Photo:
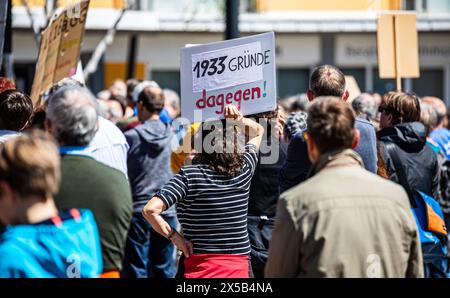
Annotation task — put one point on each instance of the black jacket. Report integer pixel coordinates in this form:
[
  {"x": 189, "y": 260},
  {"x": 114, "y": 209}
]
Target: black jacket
[
  {"x": 264, "y": 188},
  {"x": 419, "y": 160}
]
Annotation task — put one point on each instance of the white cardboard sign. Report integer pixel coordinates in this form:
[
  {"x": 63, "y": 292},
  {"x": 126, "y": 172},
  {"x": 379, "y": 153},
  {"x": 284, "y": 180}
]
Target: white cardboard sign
[{"x": 239, "y": 71}]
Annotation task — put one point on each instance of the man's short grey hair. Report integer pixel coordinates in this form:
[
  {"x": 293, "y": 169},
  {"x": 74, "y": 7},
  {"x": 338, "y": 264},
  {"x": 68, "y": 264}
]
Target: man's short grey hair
[
  {"x": 172, "y": 99},
  {"x": 428, "y": 116},
  {"x": 73, "y": 115},
  {"x": 365, "y": 106},
  {"x": 294, "y": 103}
]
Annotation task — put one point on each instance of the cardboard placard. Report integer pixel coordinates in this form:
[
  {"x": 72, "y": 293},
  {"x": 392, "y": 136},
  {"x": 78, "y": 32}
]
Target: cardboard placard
[
  {"x": 386, "y": 46},
  {"x": 60, "y": 48},
  {"x": 352, "y": 88},
  {"x": 398, "y": 46},
  {"x": 239, "y": 71},
  {"x": 407, "y": 45}
]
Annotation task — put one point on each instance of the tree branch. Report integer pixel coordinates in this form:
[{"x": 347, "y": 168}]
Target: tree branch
[
  {"x": 92, "y": 65},
  {"x": 34, "y": 25},
  {"x": 50, "y": 8}
]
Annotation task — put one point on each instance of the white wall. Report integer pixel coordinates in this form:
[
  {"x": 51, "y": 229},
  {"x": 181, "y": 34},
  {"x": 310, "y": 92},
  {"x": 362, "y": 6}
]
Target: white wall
[{"x": 361, "y": 49}]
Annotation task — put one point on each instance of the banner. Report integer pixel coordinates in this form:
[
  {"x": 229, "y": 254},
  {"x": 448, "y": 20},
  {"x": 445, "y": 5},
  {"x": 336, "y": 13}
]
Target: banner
[
  {"x": 3, "y": 11},
  {"x": 60, "y": 48},
  {"x": 398, "y": 46},
  {"x": 239, "y": 71}
]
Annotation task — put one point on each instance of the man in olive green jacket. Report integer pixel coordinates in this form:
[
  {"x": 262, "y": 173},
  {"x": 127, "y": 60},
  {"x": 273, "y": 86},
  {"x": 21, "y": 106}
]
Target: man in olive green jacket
[{"x": 344, "y": 221}]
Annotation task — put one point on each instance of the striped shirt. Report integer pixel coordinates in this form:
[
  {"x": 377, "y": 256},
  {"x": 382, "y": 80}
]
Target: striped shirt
[{"x": 212, "y": 208}]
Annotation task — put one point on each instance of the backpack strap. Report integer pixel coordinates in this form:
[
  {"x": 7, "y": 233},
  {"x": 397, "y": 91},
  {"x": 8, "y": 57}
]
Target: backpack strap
[{"x": 401, "y": 174}]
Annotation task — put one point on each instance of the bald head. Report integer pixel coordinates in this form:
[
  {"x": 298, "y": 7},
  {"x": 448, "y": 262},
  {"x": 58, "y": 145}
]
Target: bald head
[
  {"x": 440, "y": 107},
  {"x": 118, "y": 88}
]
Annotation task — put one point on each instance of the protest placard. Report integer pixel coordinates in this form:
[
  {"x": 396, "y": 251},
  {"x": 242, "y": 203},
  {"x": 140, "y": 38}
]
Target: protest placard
[
  {"x": 239, "y": 71},
  {"x": 352, "y": 88},
  {"x": 398, "y": 47},
  {"x": 60, "y": 48},
  {"x": 3, "y": 10}
]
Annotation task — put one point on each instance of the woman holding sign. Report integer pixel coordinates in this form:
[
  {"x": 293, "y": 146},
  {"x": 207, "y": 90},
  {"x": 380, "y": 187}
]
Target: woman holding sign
[{"x": 212, "y": 200}]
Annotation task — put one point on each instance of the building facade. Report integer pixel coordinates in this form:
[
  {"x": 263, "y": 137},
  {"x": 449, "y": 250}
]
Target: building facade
[{"x": 308, "y": 33}]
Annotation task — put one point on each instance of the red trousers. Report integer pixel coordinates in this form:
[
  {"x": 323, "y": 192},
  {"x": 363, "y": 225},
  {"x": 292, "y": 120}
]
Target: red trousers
[{"x": 216, "y": 266}]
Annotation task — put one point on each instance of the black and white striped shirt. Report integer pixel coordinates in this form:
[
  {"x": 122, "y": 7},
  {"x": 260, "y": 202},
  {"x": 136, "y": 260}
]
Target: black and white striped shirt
[{"x": 212, "y": 208}]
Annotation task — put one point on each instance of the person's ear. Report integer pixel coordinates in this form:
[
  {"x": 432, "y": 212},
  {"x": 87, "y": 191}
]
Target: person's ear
[
  {"x": 310, "y": 95},
  {"x": 140, "y": 106},
  {"x": 346, "y": 95},
  {"x": 356, "y": 139},
  {"x": 390, "y": 119},
  {"x": 48, "y": 126},
  {"x": 313, "y": 152},
  {"x": 5, "y": 190},
  {"x": 7, "y": 206},
  {"x": 97, "y": 126}
]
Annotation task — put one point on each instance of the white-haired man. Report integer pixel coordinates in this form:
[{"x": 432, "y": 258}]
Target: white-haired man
[{"x": 86, "y": 183}]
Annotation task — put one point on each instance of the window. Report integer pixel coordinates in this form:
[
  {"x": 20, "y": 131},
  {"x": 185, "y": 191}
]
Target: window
[
  {"x": 183, "y": 6},
  {"x": 429, "y": 6},
  {"x": 382, "y": 86},
  {"x": 409, "y": 5},
  {"x": 24, "y": 75},
  {"x": 96, "y": 79},
  {"x": 436, "y": 6},
  {"x": 248, "y": 6},
  {"x": 292, "y": 81},
  {"x": 359, "y": 74},
  {"x": 169, "y": 79},
  {"x": 194, "y": 6},
  {"x": 430, "y": 83}
]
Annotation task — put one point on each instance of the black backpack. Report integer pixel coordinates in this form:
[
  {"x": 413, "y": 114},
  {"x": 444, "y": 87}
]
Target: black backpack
[{"x": 429, "y": 217}]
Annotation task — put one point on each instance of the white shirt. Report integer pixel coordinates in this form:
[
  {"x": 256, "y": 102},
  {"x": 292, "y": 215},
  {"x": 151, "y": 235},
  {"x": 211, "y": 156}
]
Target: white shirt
[{"x": 109, "y": 146}]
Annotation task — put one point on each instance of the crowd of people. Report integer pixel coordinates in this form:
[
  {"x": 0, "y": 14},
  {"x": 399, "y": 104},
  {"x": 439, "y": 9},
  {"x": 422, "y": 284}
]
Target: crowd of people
[{"x": 113, "y": 185}]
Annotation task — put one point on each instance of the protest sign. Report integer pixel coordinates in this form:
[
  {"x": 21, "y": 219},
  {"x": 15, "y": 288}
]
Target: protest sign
[
  {"x": 3, "y": 10},
  {"x": 239, "y": 71},
  {"x": 398, "y": 47},
  {"x": 352, "y": 88},
  {"x": 60, "y": 48}
]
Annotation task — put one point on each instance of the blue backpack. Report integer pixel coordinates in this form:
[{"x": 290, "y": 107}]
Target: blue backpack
[{"x": 430, "y": 224}]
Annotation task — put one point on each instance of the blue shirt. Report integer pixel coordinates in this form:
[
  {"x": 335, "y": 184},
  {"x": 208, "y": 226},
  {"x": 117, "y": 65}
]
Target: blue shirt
[
  {"x": 164, "y": 116},
  {"x": 74, "y": 150},
  {"x": 69, "y": 249},
  {"x": 441, "y": 136}
]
